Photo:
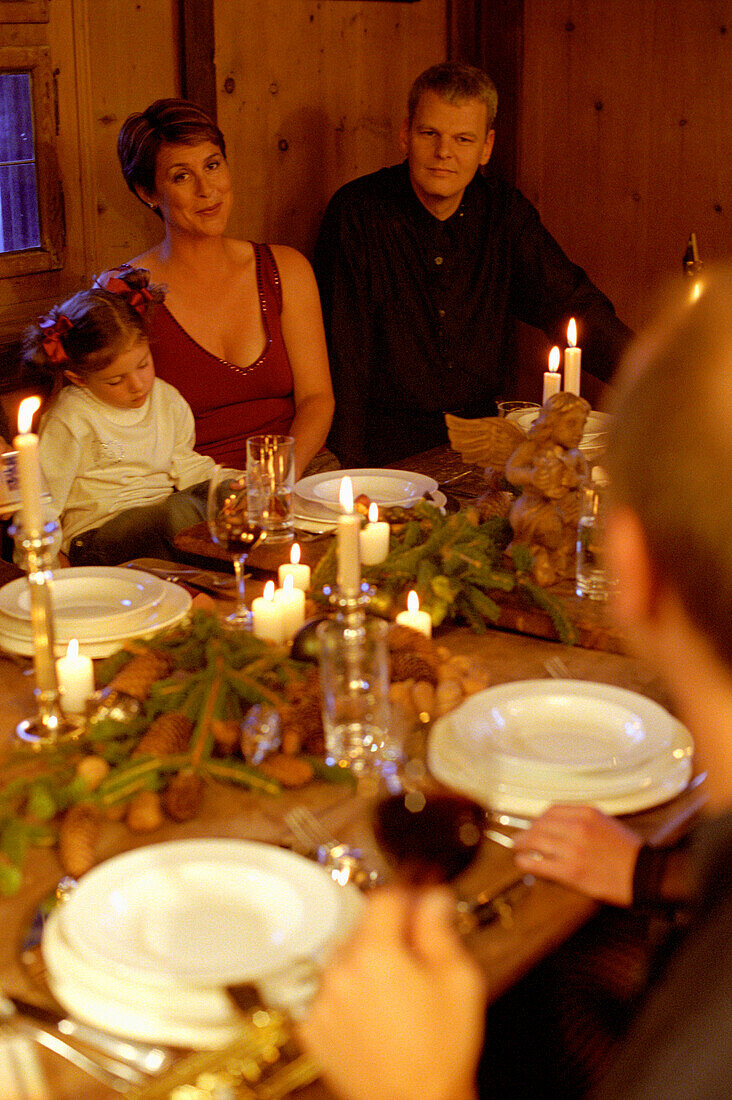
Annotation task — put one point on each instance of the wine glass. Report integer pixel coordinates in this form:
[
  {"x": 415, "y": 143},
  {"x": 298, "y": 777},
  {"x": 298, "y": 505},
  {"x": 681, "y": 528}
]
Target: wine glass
[
  {"x": 428, "y": 836},
  {"x": 230, "y": 527}
]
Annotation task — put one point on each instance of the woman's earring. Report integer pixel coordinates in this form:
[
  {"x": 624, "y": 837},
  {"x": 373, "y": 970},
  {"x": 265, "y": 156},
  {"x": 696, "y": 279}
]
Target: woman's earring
[{"x": 152, "y": 206}]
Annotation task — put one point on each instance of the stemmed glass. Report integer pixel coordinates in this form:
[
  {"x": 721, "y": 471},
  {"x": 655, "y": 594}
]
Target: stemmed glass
[
  {"x": 428, "y": 836},
  {"x": 230, "y": 527}
]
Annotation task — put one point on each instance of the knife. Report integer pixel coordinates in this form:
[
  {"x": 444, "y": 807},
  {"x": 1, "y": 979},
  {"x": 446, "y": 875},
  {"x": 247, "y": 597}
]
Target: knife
[
  {"x": 141, "y": 1056},
  {"x": 482, "y": 910}
]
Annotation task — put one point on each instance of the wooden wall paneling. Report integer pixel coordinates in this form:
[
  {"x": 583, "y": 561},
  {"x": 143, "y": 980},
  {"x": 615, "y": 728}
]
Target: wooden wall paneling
[
  {"x": 489, "y": 34},
  {"x": 310, "y": 95},
  {"x": 625, "y": 132},
  {"x": 198, "y": 53},
  {"x": 135, "y": 59}
]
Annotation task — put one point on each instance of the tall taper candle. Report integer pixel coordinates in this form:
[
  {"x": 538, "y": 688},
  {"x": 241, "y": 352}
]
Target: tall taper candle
[
  {"x": 29, "y": 471},
  {"x": 572, "y": 360},
  {"x": 348, "y": 549},
  {"x": 552, "y": 377}
]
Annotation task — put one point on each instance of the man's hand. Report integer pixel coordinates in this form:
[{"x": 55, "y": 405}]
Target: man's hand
[
  {"x": 583, "y": 848},
  {"x": 399, "y": 1015}
]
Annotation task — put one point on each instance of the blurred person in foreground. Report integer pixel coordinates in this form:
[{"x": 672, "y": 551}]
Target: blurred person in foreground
[
  {"x": 400, "y": 1011},
  {"x": 423, "y": 267}
]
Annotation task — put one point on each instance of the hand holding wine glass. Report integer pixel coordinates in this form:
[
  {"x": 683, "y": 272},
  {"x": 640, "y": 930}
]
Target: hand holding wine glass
[{"x": 230, "y": 527}]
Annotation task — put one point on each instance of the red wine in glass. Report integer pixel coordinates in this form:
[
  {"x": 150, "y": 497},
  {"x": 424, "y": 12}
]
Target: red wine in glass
[{"x": 428, "y": 837}]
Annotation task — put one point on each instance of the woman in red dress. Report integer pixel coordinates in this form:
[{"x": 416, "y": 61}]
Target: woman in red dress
[{"x": 241, "y": 332}]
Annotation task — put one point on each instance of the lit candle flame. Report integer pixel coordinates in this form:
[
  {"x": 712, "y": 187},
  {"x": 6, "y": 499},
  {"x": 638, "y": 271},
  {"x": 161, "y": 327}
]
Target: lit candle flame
[
  {"x": 572, "y": 333},
  {"x": 345, "y": 495},
  {"x": 72, "y": 649},
  {"x": 554, "y": 356},
  {"x": 288, "y": 584},
  {"x": 26, "y": 411},
  {"x": 269, "y": 591},
  {"x": 295, "y": 554},
  {"x": 373, "y": 512},
  {"x": 412, "y": 601}
]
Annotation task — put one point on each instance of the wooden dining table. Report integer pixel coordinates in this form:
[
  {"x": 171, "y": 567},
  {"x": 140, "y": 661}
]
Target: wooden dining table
[{"x": 544, "y": 918}]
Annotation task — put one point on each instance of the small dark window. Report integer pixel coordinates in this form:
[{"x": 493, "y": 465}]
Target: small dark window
[{"x": 19, "y": 214}]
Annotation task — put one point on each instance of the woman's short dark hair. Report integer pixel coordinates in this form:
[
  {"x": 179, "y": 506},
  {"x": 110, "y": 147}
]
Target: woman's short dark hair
[{"x": 164, "y": 122}]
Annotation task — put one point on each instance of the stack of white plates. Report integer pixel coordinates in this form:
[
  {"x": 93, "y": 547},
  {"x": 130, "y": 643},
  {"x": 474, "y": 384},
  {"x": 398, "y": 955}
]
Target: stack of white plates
[
  {"x": 594, "y": 436},
  {"x": 519, "y": 747},
  {"x": 149, "y": 940},
  {"x": 317, "y": 497},
  {"x": 101, "y": 606}
]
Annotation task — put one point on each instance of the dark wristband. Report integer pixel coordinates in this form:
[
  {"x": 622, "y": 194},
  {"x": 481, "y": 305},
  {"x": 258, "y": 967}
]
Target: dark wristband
[{"x": 648, "y": 875}]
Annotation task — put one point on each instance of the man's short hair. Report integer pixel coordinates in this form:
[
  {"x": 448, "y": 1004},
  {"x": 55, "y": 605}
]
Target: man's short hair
[
  {"x": 455, "y": 81},
  {"x": 670, "y": 453}
]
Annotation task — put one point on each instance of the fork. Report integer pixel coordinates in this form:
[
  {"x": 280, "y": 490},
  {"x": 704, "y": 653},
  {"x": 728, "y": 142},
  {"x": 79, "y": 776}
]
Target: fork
[{"x": 345, "y": 864}]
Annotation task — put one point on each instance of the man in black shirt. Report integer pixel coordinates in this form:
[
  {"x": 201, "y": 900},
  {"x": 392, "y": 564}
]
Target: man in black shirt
[{"x": 422, "y": 267}]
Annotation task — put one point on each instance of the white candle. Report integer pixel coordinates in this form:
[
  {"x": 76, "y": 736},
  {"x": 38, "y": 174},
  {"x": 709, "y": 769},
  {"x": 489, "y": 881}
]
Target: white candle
[
  {"x": 292, "y": 604},
  {"x": 75, "y": 674},
  {"x": 300, "y": 573},
  {"x": 414, "y": 618},
  {"x": 572, "y": 360},
  {"x": 268, "y": 620},
  {"x": 29, "y": 471},
  {"x": 348, "y": 550},
  {"x": 552, "y": 377},
  {"x": 374, "y": 539}
]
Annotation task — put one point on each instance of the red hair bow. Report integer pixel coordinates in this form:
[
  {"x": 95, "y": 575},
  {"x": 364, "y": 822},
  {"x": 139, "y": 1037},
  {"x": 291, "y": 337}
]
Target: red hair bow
[
  {"x": 54, "y": 328},
  {"x": 138, "y": 299}
]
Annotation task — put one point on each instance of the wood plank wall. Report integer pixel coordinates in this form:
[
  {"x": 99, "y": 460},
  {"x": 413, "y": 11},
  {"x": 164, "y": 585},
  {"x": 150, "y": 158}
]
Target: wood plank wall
[
  {"x": 310, "y": 95},
  {"x": 624, "y": 136}
]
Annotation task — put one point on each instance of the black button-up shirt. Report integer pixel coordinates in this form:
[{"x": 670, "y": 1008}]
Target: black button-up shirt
[{"x": 418, "y": 311}]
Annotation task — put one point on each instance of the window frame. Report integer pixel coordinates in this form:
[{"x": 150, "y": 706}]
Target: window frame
[{"x": 49, "y": 256}]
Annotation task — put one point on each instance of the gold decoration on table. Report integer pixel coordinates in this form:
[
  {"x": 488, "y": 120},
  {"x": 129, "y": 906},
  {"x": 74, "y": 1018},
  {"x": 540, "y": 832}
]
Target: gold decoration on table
[{"x": 544, "y": 470}]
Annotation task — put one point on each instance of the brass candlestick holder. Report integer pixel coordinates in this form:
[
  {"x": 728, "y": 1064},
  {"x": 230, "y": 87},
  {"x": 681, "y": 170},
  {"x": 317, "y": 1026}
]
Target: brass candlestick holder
[{"x": 50, "y": 725}]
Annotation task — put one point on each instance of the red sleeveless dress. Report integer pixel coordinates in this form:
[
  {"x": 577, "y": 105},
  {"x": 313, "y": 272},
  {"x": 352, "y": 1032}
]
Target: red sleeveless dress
[{"x": 230, "y": 402}]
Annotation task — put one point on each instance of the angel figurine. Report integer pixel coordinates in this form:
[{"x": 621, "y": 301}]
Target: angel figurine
[{"x": 550, "y": 470}]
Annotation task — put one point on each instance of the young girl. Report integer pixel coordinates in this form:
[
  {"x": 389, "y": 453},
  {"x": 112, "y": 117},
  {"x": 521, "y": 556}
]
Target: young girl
[{"x": 116, "y": 443}]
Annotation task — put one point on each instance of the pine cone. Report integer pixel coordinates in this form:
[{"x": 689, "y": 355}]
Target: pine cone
[
  {"x": 138, "y": 675},
  {"x": 403, "y": 637},
  {"x": 144, "y": 812},
  {"x": 183, "y": 796},
  {"x": 77, "y": 838},
  {"x": 412, "y": 666},
  {"x": 167, "y": 734}
]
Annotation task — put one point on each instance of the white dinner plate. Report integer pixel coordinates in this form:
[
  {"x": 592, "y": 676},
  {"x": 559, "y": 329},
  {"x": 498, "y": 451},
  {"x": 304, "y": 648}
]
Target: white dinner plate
[
  {"x": 181, "y": 1014},
  {"x": 83, "y": 597},
  {"x": 386, "y": 487},
  {"x": 16, "y": 637},
  {"x": 620, "y": 792},
  {"x": 562, "y": 726},
  {"x": 209, "y": 912}
]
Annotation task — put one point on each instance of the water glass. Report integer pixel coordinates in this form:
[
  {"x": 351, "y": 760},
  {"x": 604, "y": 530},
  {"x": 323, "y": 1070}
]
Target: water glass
[
  {"x": 515, "y": 408},
  {"x": 270, "y": 483},
  {"x": 591, "y": 576},
  {"x": 354, "y": 684}
]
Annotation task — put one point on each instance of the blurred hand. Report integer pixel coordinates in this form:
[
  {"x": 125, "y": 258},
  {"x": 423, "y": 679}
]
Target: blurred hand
[
  {"x": 399, "y": 1015},
  {"x": 581, "y": 847}
]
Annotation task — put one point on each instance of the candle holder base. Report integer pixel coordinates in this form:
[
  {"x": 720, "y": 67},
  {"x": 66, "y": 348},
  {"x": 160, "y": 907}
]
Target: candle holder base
[
  {"x": 348, "y": 606},
  {"x": 45, "y": 734}
]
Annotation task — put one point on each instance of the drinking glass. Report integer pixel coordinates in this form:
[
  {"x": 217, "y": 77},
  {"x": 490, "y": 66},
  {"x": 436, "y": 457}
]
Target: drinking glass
[
  {"x": 270, "y": 483},
  {"x": 515, "y": 408},
  {"x": 354, "y": 684},
  {"x": 591, "y": 577},
  {"x": 232, "y": 528}
]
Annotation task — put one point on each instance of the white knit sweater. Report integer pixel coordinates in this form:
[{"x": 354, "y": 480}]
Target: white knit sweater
[{"x": 99, "y": 461}]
